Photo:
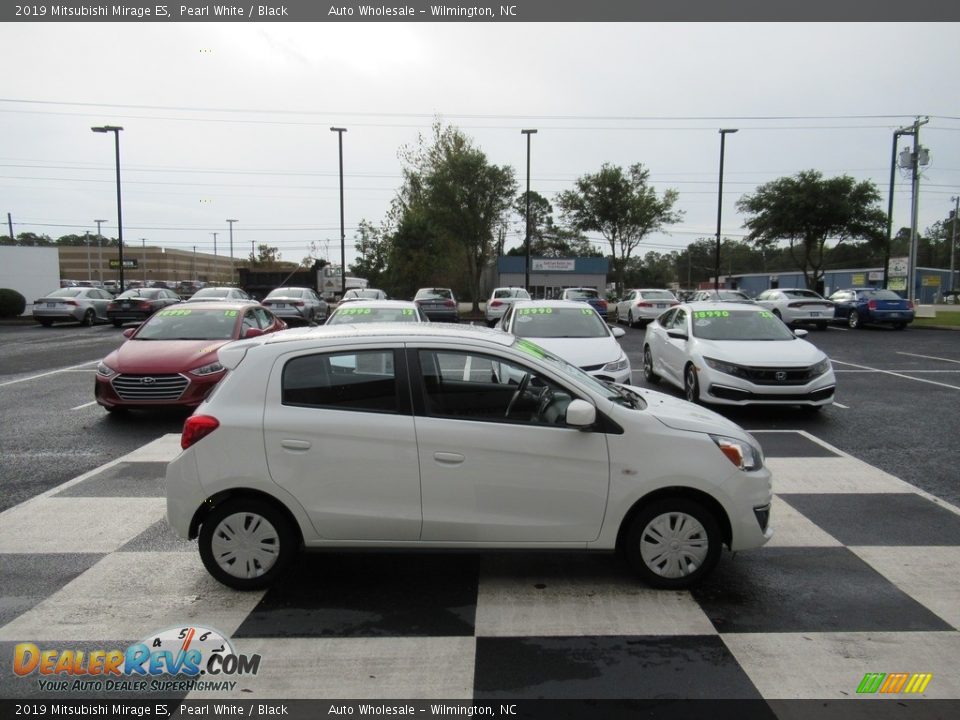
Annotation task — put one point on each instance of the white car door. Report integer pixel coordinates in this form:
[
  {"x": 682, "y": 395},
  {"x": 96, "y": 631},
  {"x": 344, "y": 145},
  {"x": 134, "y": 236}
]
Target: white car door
[
  {"x": 342, "y": 441},
  {"x": 673, "y": 351},
  {"x": 489, "y": 477}
]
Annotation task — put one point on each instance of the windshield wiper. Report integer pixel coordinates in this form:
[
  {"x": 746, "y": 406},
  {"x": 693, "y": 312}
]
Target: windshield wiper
[{"x": 627, "y": 397}]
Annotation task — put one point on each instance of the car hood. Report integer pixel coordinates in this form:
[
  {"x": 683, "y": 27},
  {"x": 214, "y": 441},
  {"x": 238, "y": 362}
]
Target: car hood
[
  {"x": 582, "y": 352},
  {"x": 163, "y": 356},
  {"x": 762, "y": 353},
  {"x": 682, "y": 415}
]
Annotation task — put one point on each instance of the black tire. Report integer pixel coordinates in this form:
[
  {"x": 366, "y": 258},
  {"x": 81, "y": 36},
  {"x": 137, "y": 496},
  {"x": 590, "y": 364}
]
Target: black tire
[
  {"x": 691, "y": 386},
  {"x": 630, "y": 322},
  {"x": 900, "y": 326},
  {"x": 666, "y": 522},
  {"x": 115, "y": 409},
  {"x": 248, "y": 515},
  {"x": 117, "y": 323},
  {"x": 648, "y": 374},
  {"x": 853, "y": 320},
  {"x": 822, "y": 325},
  {"x": 46, "y": 323},
  {"x": 89, "y": 318}
]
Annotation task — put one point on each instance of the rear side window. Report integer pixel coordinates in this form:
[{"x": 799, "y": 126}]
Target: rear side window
[{"x": 363, "y": 381}]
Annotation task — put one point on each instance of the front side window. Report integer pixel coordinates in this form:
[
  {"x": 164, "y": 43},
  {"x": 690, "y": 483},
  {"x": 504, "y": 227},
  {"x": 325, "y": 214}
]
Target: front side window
[
  {"x": 472, "y": 386},
  {"x": 362, "y": 380}
]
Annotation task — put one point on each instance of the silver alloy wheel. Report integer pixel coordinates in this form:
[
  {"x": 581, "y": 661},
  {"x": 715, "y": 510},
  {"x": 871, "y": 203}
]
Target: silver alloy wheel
[
  {"x": 674, "y": 545},
  {"x": 245, "y": 545},
  {"x": 647, "y": 364},
  {"x": 630, "y": 318},
  {"x": 853, "y": 320},
  {"x": 691, "y": 389}
]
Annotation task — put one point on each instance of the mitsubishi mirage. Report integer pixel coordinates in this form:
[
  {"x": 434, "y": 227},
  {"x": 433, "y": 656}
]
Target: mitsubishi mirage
[{"x": 419, "y": 437}]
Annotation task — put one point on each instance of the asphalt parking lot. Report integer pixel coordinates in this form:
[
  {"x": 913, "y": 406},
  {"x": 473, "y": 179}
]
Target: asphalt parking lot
[{"x": 859, "y": 578}]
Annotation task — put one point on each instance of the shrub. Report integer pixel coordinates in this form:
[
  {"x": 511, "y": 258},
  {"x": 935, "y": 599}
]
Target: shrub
[{"x": 12, "y": 303}]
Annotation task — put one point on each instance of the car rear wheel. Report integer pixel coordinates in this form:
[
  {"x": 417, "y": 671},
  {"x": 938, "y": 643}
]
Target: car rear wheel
[
  {"x": 117, "y": 323},
  {"x": 246, "y": 543},
  {"x": 46, "y": 323},
  {"x": 691, "y": 386},
  {"x": 853, "y": 320},
  {"x": 648, "y": 374},
  {"x": 899, "y": 326},
  {"x": 673, "y": 543},
  {"x": 630, "y": 321},
  {"x": 821, "y": 325},
  {"x": 89, "y": 317}
]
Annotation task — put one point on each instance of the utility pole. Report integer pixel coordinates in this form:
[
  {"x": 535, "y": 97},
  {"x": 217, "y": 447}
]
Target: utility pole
[
  {"x": 526, "y": 242},
  {"x": 886, "y": 251},
  {"x": 99, "y": 251},
  {"x": 233, "y": 265},
  {"x": 953, "y": 239},
  {"x": 914, "y": 209},
  {"x": 86, "y": 241},
  {"x": 343, "y": 257},
  {"x": 10, "y": 225},
  {"x": 216, "y": 269},
  {"x": 194, "y": 263},
  {"x": 144, "y": 241},
  {"x": 716, "y": 279}
]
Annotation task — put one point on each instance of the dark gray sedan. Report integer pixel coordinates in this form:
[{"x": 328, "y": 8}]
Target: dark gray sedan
[
  {"x": 438, "y": 304},
  {"x": 86, "y": 305},
  {"x": 296, "y": 305}
]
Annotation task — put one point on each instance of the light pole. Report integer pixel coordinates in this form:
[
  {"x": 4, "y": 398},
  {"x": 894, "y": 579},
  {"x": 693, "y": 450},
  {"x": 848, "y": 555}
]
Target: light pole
[
  {"x": 526, "y": 274},
  {"x": 893, "y": 168},
  {"x": 716, "y": 266},
  {"x": 86, "y": 241},
  {"x": 115, "y": 129},
  {"x": 144, "y": 241},
  {"x": 99, "y": 251},
  {"x": 233, "y": 266},
  {"x": 343, "y": 256},
  {"x": 216, "y": 259}
]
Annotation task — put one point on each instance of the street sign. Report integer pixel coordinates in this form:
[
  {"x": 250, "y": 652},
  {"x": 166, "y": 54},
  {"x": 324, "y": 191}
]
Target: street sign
[{"x": 898, "y": 267}]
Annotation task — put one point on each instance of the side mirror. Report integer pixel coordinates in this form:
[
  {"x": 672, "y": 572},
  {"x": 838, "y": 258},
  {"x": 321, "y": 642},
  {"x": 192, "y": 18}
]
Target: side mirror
[
  {"x": 252, "y": 332},
  {"x": 618, "y": 332},
  {"x": 581, "y": 414},
  {"x": 128, "y": 333},
  {"x": 677, "y": 334},
  {"x": 800, "y": 333}
]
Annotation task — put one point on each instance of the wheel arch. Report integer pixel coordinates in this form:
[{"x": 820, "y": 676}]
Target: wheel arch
[
  {"x": 233, "y": 493},
  {"x": 687, "y": 493}
]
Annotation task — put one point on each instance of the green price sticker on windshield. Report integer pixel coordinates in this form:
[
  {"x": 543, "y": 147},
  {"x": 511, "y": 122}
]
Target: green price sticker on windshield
[
  {"x": 766, "y": 315},
  {"x": 406, "y": 311},
  {"x": 355, "y": 311},
  {"x": 174, "y": 313},
  {"x": 228, "y": 313},
  {"x": 536, "y": 311},
  {"x": 704, "y": 314},
  {"x": 586, "y": 311}
]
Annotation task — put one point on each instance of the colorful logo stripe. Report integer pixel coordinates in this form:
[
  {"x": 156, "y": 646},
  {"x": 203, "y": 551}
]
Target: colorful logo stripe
[{"x": 894, "y": 683}]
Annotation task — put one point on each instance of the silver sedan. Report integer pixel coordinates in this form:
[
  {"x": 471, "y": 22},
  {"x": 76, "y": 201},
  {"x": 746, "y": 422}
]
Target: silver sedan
[{"x": 85, "y": 305}]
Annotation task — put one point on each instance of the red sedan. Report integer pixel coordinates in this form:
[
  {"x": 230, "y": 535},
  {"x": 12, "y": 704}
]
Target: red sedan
[{"x": 171, "y": 359}]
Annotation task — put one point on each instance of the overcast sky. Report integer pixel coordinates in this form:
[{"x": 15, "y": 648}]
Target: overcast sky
[{"x": 232, "y": 120}]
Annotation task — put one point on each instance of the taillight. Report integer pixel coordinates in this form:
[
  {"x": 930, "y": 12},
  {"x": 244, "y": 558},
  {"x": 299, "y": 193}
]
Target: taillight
[
  {"x": 196, "y": 428},
  {"x": 297, "y": 303},
  {"x": 644, "y": 304},
  {"x": 795, "y": 304},
  {"x": 603, "y": 304},
  {"x": 449, "y": 303},
  {"x": 145, "y": 305},
  {"x": 496, "y": 303},
  {"x": 70, "y": 302},
  {"x": 909, "y": 305},
  {"x": 872, "y": 305}
]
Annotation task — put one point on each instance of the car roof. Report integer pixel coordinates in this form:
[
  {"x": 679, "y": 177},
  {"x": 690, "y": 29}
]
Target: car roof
[
  {"x": 549, "y": 303},
  {"x": 218, "y": 304},
  {"x": 720, "y": 305},
  {"x": 385, "y": 304},
  {"x": 389, "y": 332}
]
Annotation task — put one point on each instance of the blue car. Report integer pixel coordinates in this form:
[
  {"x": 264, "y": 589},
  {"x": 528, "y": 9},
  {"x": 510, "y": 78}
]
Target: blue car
[
  {"x": 856, "y": 307},
  {"x": 587, "y": 295}
]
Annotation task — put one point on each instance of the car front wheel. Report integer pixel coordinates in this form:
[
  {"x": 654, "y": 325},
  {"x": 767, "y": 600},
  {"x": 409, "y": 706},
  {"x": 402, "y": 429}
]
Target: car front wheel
[
  {"x": 648, "y": 374},
  {"x": 89, "y": 317},
  {"x": 853, "y": 320},
  {"x": 247, "y": 543},
  {"x": 673, "y": 543},
  {"x": 691, "y": 386}
]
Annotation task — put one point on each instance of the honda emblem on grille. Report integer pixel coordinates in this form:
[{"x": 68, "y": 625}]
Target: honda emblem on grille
[
  {"x": 149, "y": 380},
  {"x": 780, "y": 375}
]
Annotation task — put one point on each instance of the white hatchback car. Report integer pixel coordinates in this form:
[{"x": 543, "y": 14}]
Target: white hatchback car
[
  {"x": 736, "y": 354},
  {"x": 574, "y": 331},
  {"x": 500, "y": 301},
  {"x": 419, "y": 436}
]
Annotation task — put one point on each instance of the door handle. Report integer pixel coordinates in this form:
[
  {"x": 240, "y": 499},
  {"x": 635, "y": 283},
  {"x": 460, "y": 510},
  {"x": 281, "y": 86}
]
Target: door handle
[
  {"x": 297, "y": 445},
  {"x": 445, "y": 458}
]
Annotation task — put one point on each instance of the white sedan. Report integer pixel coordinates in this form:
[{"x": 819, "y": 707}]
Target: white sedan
[
  {"x": 642, "y": 306},
  {"x": 575, "y": 332},
  {"x": 798, "y": 305},
  {"x": 419, "y": 436},
  {"x": 736, "y": 354}
]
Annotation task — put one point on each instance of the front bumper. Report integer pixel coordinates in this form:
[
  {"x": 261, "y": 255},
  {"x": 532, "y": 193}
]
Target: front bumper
[{"x": 723, "y": 389}]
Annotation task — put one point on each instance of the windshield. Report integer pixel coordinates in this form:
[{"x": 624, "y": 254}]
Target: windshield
[
  {"x": 731, "y": 295},
  {"x": 739, "y": 325},
  {"x": 881, "y": 295},
  {"x": 511, "y": 293},
  {"x": 138, "y": 293},
  {"x": 285, "y": 292},
  {"x": 189, "y": 324},
  {"x": 802, "y": 294},
  {"x": 558, "y": 322},
  {"x": 212, "y": 292},
  {"x": 435, "y": 293},
  {"x": 66, "y": 292},
  {"x": 581, "y": 294},
  {"x": 657, "y": 295},
  {"x": 353, "y": 315}
]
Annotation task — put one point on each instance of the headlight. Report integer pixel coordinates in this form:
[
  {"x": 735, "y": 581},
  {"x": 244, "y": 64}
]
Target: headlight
[
  {"x": 741, "y": 453},
  {"x": 617, "y": 365},
  {"x": 726, "y": 368},
  {"x": 210, "y": 369},
  {"x": 820, "y": 368},
  {"x": 104, "y": 370}
]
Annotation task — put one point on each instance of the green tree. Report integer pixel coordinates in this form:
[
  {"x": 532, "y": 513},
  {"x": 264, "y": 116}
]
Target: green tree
[
  {"x": 372, "y": 253},
  {"x": 807, "y": 211},
  {"x": 267, "y": 256},
  {"x": 458, "y": 200},
  {"x": 546, "y": 238},
  {"x": 622, "y": 207}
]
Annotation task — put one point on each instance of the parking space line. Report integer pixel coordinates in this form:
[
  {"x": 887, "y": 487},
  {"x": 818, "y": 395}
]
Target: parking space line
[
  {"x": 51, "y": 372},
  {"x": 896, "y": 374},
  {"x": 836, "y": 404},
  {"x": 80, "y": 407},
  {"x": 929, "y": 357}
]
